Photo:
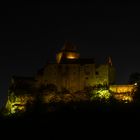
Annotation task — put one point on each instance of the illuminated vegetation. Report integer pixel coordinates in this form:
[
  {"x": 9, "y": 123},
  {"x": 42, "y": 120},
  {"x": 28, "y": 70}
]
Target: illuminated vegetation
[
  {"x": 126, "y": 98},
  {"x": 101, "y": 94},
  {"x": 17, "y": 104},
  {"x": 50, "y": 97}
]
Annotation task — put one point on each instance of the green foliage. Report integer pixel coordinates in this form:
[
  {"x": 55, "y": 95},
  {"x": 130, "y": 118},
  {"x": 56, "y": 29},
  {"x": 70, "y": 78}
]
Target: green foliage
[
  {"x": 98, "y": 93},
  {"x": 101, "y": 94}
]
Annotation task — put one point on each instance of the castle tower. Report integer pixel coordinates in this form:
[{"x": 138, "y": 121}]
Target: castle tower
[{"x": 67, "y": 52}]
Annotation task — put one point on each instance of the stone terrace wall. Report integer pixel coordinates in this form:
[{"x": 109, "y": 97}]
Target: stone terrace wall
[{"x": 122, "y": 88}]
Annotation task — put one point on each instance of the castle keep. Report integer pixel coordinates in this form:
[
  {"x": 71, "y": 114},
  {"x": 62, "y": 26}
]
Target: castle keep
[{"x": 74, "y": 73}]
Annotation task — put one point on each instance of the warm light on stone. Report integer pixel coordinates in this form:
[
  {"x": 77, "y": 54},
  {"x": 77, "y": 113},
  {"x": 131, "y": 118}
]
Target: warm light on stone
[
  {"x": 72, "y": 55},
  {"x": 122, "y": 88},
  {"x": 123, "y": 92}
]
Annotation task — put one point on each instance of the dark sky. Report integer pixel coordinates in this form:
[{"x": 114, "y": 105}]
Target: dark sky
[{"x": 31, "y": 33}]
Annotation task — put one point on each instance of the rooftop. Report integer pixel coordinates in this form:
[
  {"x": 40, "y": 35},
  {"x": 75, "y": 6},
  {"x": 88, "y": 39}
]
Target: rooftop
[{"x": 78, "y": 61}]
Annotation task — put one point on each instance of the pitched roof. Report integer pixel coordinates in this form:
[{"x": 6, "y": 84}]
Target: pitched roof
[
  {"x": 68, "y": 46},
  {"x": 78, "y": 61}
]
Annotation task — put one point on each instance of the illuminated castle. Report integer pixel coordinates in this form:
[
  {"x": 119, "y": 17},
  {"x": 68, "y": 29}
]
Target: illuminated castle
[
  {"x": 70, "y": 74},
  {"x": 74, "y": 73}
]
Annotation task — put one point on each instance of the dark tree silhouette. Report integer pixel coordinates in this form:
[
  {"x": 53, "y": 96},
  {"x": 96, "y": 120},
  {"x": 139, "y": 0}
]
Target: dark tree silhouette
[{"x": 134, "y": 78}]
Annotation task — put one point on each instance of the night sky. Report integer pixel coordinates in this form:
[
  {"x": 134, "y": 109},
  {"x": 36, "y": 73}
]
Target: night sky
[{"x": 31, "y": 33}]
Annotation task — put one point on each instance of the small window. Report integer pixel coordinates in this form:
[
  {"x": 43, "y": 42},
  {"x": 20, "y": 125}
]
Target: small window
[{"x": 97, "y": 73}]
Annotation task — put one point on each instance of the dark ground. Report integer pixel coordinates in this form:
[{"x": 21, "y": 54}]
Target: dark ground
[
  {"x": 74, "y": 124},
  {"x": 71, "y": 126}
]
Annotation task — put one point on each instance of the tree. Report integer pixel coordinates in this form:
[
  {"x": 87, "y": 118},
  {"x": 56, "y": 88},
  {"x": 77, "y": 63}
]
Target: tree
[{"x": 134, "y": 78}]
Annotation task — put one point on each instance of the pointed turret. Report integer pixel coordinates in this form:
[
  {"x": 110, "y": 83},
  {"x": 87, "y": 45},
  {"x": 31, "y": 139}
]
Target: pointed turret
[
  {"x": 67, "y": 52},
  {"x": 109, "y": 61}
]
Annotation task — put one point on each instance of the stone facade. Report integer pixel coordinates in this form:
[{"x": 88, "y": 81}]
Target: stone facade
[
  {"x": 75, "y": 77},
  {"x": 75, "y": 73}
]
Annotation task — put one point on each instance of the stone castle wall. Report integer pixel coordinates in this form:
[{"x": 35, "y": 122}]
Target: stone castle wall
[
  {"x": 122, "y": 88},
  {"x": 75, "y": 77}
]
